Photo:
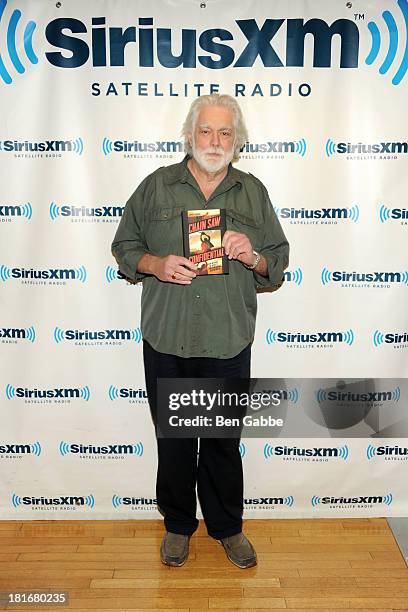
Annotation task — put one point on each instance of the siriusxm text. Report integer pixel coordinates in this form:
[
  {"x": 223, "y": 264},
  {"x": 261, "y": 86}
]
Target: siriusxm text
[
  {"x": 87, "y": 211},
  {"x": 294, "y": 451},
  {"x": 381, "y": 147},
  {"x": 371, "y": 277},
  {"x": 47, "y": 145},
  {"x": 317, "y": 337},
  {"x": 319, "y": 213},
  {"x": 68, "y": 500},
  {"x": 348, "y": 396},
  {"x": 107, "y": 334},
  {"x": 111, "y": 449},
  {"x": 149, "y": 47},
  {"x": 51, "y": 273},
  {"x": 376, "y": 499},
  {"x": 44, "y": 393}
]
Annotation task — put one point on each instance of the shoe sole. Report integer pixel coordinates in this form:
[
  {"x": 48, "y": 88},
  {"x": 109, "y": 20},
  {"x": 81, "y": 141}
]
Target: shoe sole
[{"x": 173, "y": 563}]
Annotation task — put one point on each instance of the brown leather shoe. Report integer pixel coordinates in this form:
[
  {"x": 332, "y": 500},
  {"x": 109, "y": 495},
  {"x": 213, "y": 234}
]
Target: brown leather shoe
[
  {"x": 174, "y": 549},
  {"x": 239, "y": 550}
]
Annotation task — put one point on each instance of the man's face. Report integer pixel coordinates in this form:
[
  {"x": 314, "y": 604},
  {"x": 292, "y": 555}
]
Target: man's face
[{"x": 213, "y": 138}]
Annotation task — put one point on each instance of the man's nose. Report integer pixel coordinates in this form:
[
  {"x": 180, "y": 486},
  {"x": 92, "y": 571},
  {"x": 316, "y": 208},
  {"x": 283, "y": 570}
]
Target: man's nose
[{"x": 215, "y": 138}]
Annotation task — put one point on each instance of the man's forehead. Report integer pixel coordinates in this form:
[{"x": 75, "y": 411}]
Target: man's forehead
[{"x": 217, "y": 116}]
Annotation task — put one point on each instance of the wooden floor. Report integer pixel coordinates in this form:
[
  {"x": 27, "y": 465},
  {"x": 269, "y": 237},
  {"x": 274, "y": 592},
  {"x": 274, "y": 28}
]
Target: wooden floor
[{"x": 351, "y": 564}]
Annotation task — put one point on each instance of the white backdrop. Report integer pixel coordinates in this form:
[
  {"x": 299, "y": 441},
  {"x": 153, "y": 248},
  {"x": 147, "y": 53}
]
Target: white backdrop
[{"x": 79, "y": 131}]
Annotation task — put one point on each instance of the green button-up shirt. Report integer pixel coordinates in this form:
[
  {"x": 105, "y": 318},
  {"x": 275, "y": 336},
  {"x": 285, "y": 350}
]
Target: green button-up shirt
[{"x": 215, "y": 315}]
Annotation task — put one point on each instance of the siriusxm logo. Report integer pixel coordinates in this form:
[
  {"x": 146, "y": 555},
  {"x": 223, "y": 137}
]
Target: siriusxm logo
[
  {"x": 396, "y": 339},
  {"x": 393, "y": 214},
  {"x": 392, "y": 44},
  {"x": 113, "y": 274},
  {"x": 318, "y": 216},
  {"x": 88, "y": 337},
  {"x": 388, "y": 453},
  {"x": 240, "y": 46},
  {"x": 135, "y": 396},
  {"x": 51, "y": 148},
  {"x": 385, "y": 150},
  {"x": 51, "y": 276},
  {"x": 294, "y": 276},
  {"x": 242, "y": 449},
  {"x": 77, "y": 213},
  {"x": 372, "y": 397},
  {"x": 154, "y": 44},
  {"x": 113, "y": 450},
  {"x": 287, "y": 395},
  {"x": 11, "y": 211},
  {"x": 59, "y": 394},
  {"x": 135, "y": 146},
  {"x": 21, "y": 449},
  {"x": 319, "y": 339},
  {"x": 12, "y": 44},
  {"x": 11, "y": 335},
  {"x": 294, "y": 453},
  {"x": 363, "y": 279},
  {"x": 134, "y": 503},
  {"x": 267, "y": 149},
  {"x": 362, "y": 500},
  {"x": 268, "y": 502},
  {"x": 62, "y": 500}
]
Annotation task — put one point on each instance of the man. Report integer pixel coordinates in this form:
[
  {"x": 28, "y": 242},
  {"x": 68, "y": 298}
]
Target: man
[{"x": 201, "y": 326}]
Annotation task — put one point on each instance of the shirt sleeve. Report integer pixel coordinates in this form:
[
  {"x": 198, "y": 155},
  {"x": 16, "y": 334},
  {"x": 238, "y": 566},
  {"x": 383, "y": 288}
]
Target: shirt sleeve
[
  {"x": 129, "y": 245},
  {"x": 275, "y": 247}
]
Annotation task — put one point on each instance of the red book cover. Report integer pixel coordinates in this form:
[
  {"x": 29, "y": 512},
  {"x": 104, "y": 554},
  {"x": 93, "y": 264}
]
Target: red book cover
[{"x": 203, "y": 231}]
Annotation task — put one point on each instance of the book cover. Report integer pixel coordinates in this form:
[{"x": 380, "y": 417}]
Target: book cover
[{"x": 203, "y": 231}]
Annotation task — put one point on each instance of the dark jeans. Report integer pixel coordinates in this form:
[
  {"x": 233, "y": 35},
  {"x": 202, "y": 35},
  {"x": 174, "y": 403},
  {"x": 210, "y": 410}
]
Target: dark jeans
[{"x": 218, "y": 471}]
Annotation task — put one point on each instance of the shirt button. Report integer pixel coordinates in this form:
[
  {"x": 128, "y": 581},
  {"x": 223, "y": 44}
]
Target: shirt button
[{"x": 198, "y": 295}]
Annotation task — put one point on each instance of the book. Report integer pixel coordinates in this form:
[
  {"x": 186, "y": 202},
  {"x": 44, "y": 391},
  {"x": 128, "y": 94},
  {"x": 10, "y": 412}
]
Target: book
[{"x": 203, "y": 231}]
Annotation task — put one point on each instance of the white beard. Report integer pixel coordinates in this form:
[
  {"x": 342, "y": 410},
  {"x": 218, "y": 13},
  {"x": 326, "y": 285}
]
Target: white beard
[{"x": 212, "y": 164}]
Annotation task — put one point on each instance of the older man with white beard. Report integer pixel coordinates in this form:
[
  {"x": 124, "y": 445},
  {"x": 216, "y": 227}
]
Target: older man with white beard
[{"x": 201, "y": 326}]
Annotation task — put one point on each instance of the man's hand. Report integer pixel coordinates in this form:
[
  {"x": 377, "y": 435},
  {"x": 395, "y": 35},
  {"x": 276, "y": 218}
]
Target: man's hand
[
  {"x": 170, "y": 269},
  {"x": 238, "y": 246}
]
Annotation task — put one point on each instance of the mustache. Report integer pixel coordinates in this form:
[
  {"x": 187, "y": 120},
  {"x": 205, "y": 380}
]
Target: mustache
[{"x": 216, "y": 150}]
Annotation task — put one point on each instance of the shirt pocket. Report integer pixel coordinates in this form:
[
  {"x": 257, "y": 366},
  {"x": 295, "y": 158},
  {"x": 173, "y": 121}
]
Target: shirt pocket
[
  {"x": 164, "y": 231},
  {"x": 247, "y": 225}
]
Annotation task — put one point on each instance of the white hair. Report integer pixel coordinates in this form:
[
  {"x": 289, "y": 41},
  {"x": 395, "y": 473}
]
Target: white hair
[{"x": 241, "y": 133}]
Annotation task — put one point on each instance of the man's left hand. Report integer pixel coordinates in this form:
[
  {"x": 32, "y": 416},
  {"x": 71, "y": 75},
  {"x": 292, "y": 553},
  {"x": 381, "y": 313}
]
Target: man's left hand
[{"x": 238, "y": 246}]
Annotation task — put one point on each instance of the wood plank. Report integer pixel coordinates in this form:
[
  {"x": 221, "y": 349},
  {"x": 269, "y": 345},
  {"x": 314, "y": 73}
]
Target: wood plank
[
  {"x": 22, "y": 540},
  {"x": 54, "y": 573},
  {"x": 219, "y": 579},
  {"x": 326, "y": 592},
  {"x": 373, "y": 571},
  {"x": 40, "y": 582},
  {"x": 194, "y": 593},
  {"x": 244, "y": 603},
  {"x": 357, "y": 604}
]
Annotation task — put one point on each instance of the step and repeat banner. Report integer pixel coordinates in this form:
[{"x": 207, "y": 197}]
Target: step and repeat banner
[{"x": 93, "y": 97}]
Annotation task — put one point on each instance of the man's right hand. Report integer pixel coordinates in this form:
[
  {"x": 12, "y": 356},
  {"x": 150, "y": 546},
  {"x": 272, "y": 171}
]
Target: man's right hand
[{"x": 169, "y": 269}]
